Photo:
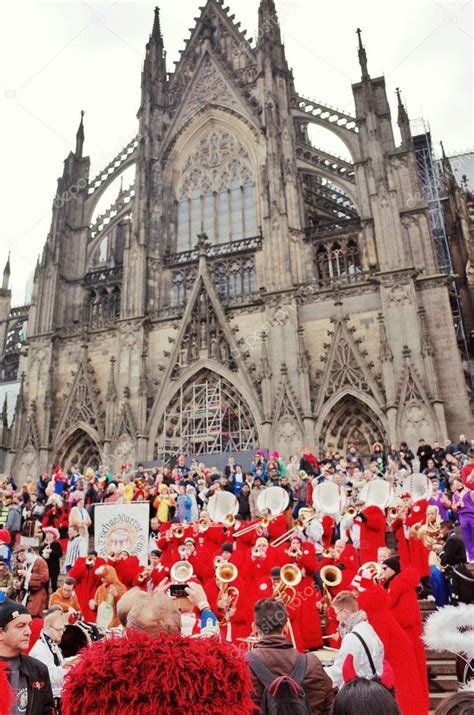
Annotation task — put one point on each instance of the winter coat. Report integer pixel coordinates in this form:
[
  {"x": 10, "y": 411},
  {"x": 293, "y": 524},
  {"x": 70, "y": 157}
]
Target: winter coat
[
  {"x": 351, "y": 645},
  {"x": 279, "y": 656}
]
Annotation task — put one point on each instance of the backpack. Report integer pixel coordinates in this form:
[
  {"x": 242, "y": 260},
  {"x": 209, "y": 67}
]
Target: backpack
[{"x": 282, "y": 695}]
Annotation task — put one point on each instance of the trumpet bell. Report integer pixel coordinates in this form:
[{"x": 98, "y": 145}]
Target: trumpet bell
[
  {"x": 229, "y": 519},
  {"x": 351, "y": 511},
  {"x": 331, "y": 575},
  {"x": 374, "y": 568},
  {"x": 226, "y": 572},
  {"x": 181, "y": 572}
]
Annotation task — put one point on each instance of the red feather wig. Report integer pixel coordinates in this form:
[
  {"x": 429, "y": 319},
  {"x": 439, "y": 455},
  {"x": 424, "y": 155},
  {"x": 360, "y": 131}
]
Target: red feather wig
[
  {"x": 6, "y": 699},
  {"x": 141, "y": 675}
]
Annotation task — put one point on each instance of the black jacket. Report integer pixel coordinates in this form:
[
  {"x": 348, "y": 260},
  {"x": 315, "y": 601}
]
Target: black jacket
[
  {"x": 40, "y": 695},
  {"x": 454, "y": 551}
]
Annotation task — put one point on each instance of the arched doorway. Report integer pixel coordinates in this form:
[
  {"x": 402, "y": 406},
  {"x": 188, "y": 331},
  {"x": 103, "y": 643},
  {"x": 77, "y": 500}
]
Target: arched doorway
[
  {"x": 207, "y": 415},
  {"x": 351, "y": 421},
  {"x": 78, "y": 449}
]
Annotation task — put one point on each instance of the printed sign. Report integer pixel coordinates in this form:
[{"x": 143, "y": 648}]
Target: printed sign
[{"x": 122, "y": 527}]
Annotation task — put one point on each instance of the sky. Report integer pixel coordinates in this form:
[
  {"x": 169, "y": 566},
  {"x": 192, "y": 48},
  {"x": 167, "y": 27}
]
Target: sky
[{"x": 59, "y": 58}]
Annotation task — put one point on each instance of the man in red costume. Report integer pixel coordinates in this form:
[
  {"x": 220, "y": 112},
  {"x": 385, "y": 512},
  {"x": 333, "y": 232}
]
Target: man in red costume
[
  {"x": 372, "y": 532},
  {"x": 401, "y": 587},
  {"x": 87, "y": 582},
  {"x": 126, "y": 566}
]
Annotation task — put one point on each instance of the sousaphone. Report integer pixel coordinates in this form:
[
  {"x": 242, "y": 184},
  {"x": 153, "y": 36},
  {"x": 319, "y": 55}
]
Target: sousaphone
[
  {"x": 418, "y": 486},
  {"x": 221, "y": 506},
  {"x": 329, "y": 498},
  {"x": 274, "y": 499},
  {"x": 377, "y": 492}
]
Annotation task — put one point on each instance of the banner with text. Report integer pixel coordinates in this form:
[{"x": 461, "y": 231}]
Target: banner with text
[{"x": 122, "y": 527}]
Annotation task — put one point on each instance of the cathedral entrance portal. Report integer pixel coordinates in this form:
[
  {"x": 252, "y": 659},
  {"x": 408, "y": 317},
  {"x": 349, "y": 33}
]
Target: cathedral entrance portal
[
  {"x": 349, "y": 422},
  {"x": 206, "y": 416},
  {"x": 80, "y": 450}
]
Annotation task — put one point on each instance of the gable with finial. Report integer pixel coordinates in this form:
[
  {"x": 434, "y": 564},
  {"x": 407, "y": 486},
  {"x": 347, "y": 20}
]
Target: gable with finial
[
  {"x": 416, "y": 416},
  {"x": 286, "y": 404},
  {"x": 346, "y": 366},
  {"x": 222, "y": 35},
  {"x": 125, "y": 424},
  {"x": 204, "y": 333},
  {"x": 82, "y": 404},
  {"x": 31, "y": 435},
  {"x": 210, "y": 85}
]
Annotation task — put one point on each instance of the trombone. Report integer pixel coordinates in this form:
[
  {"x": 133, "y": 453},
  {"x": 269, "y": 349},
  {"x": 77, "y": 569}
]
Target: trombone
[
  {"x": 264, "y": 522},
  {"x": 300, "y": 525}
]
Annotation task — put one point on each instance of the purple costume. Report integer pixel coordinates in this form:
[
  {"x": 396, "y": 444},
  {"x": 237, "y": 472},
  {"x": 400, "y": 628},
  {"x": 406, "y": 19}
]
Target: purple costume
[
  {"x": 466, "y": 520},
  {"x": 437, "y": 501}
]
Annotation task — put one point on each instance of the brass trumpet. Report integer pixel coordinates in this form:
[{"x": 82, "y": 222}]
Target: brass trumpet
[
  {"x": 374, "y": 567},
  {"x": 178, "y": 531},
  {"x": 392, "y": 513},
  {"x": 90, "y": 560},
  {"x": 328, "y": 553},
  {"x": 144, "y": 576},
  {"x": 294, "y": 552},
  {"x": 229, "y": 520},
  {"x": 112, "y": 555},
  {"x": 350, "y": 511},
  {"x": 204, "y": 524}
]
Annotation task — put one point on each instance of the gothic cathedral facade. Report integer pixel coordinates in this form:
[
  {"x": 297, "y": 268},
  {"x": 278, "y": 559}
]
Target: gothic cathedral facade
[{"x": 247, "y": 289}]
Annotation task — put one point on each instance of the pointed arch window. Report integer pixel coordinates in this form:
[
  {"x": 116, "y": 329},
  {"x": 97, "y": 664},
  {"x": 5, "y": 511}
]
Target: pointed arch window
[{"x": 216, "y": 193}]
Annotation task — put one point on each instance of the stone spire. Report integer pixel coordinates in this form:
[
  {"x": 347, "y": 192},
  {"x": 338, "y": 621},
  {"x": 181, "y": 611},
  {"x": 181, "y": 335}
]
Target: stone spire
[
  {"x": 269, "y": 35},
  {"x": 6, "y": 274},
  {"x": 403, "y": 121},
  {"x": 111, "y": 393},
  {"x": 362, "y": 56},
  {"x": 80, "y": 137},
  {"x": 154, "y": 70}
]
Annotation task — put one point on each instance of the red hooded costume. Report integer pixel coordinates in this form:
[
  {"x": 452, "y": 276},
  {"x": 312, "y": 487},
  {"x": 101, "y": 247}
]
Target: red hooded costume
[
  {"x": 372, "y": 533},
  {"x": 404, "y": 605},
  {"x": 87, "y": 583},
  {"x": 411, "y": 692}
]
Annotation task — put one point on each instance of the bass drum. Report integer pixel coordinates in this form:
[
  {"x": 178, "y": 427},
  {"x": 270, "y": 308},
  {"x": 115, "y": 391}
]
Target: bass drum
[{"x": 78, "y": 635}]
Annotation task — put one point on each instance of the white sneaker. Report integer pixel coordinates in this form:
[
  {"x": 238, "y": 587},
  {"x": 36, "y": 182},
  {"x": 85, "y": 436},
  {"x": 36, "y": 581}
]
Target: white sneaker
[{"x": 430, "y": 598}]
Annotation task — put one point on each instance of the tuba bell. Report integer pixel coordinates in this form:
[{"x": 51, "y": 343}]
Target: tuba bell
[
  {"x": 330, "y": 575},
  {"x": 225, "y": 574},
  {"x": 290, "y": 576}
]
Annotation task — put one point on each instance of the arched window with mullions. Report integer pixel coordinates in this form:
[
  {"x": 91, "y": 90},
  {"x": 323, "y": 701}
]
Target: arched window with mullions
[{"x": 216, "y": 192}]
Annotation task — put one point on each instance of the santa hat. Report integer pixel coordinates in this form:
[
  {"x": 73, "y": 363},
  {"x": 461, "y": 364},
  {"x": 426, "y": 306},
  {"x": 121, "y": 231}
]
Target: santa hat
[
  {"x": 180, "y": 677},
  {"x": 5, "y": 536}
]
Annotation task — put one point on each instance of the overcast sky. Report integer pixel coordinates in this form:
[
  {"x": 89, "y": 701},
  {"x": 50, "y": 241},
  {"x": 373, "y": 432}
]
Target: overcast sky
[{"x": 59, "y": 58}]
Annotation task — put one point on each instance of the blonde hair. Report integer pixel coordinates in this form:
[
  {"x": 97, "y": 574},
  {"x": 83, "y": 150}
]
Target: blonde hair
[
  {"x": 346, "y": 599},
  {"x": 157, "y": 614},
  {"x": 131, "y": 598}
]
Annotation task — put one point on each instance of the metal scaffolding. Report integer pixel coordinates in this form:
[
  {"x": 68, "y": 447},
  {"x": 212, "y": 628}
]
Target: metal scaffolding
[
  {"x": 433, "y": 189},
  {"x": 207, "y": 416}
]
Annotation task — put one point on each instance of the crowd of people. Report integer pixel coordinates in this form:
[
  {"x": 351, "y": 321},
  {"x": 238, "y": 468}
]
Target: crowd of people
[{"x": 253, "y": 567}]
